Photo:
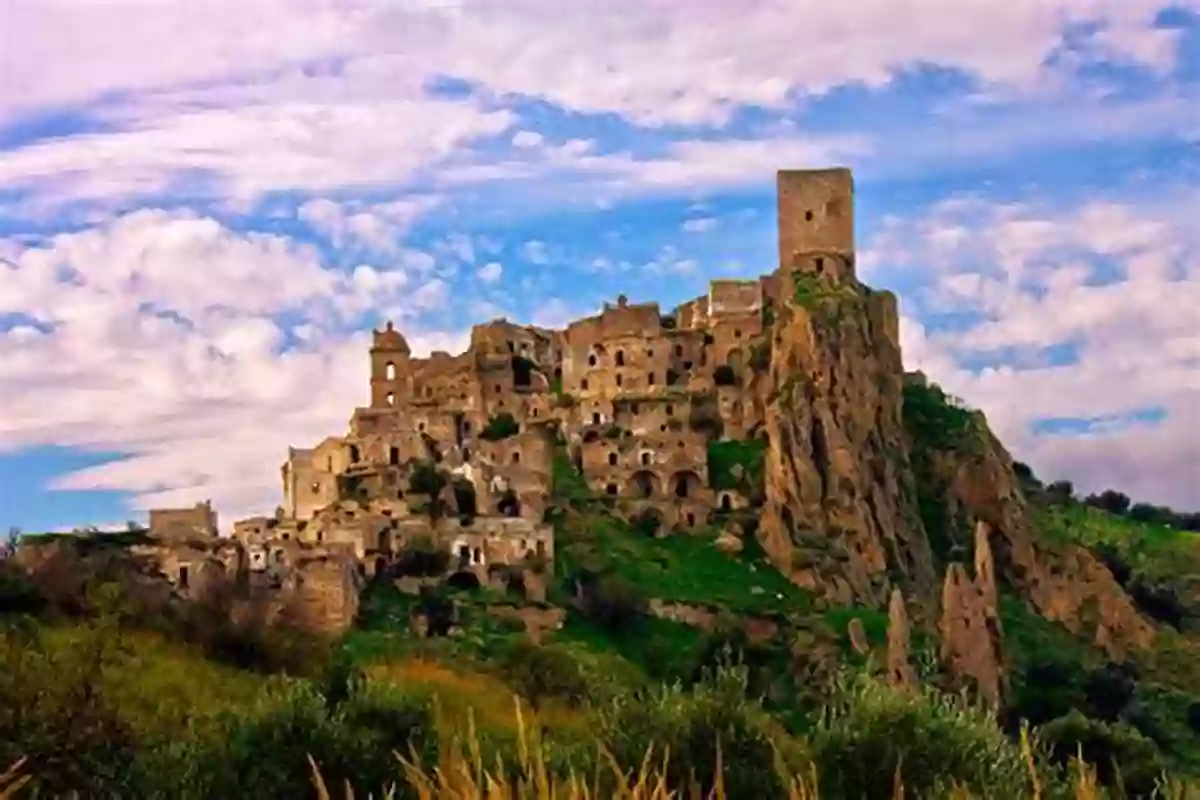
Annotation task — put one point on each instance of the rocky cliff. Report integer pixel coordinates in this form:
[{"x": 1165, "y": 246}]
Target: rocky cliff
[
  {"x": 839, "y": 516},
  {"x": 876, "y": 480}
]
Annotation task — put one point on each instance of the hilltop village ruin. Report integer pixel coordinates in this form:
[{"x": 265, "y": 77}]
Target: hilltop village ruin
[{"x": 459, "y": 450}]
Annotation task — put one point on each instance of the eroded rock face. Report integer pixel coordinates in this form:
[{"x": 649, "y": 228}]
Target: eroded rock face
[
  {"x": 1065, "y": 584},
  {"x": 900, "y": 671},
  {"x": 837, "y": 518},
  {"x": 970, "y": 623}
]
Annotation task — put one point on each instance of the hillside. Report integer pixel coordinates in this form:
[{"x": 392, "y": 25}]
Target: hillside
[{"x": 848, "y": 573}]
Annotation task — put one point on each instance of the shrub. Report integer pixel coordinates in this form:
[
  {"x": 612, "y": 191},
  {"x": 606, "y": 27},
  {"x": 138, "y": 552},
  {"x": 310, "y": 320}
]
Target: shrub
[
  {"x": 422, "y": 558},
  {"x": 690, "y": 726},
  {"x": 501, "y": 426},
  {"x": 266, "y": 754},
  {"x": 547, "y": 672},
  {"x": 872, "y": 731},
  {"x": 610, "y": 601},
  {"x": 1118, "y": 752}
]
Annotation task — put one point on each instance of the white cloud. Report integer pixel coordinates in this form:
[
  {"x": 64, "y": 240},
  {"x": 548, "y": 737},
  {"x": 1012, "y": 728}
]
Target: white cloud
[
  {"x": 166, "y": 342},
  {"x": 248, "y": 150},
  {"x": 526, "y": 139},
  {"x": 660, "y": 61},
  {"x": 535, "y": 252},
  {"x": 490, "y": 272},
  {"x": 700, "y": 224},
  {"x": 1117, "y": 284}
]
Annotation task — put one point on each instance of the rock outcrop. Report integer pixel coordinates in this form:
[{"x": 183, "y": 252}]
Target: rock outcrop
[
  {"x": 837, "y": 517},
  {"x": 1066, "y": 584},
  {"x": 900, "y": 670},
  {"x": 970, "y": 623}
]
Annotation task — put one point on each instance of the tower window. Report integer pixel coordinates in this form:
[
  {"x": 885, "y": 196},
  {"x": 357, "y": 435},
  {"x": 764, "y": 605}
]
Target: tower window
[{"x": 390, "y": 371}]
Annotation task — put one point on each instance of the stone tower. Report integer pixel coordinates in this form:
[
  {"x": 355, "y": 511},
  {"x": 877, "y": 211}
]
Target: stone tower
[
  {"x": 816, "y": 221},
  {"x": 391, "y": 380}
]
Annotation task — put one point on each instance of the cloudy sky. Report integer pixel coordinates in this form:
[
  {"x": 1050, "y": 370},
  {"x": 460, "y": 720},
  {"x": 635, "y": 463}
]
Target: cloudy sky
[{"x": 204, "y": 206}]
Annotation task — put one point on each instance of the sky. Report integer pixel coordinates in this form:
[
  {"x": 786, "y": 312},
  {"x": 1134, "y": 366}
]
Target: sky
[{"x": 206, "y": 207}]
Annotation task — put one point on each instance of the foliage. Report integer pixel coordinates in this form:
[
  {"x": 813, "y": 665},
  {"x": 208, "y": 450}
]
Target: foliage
[
  {"x": 873, "y": 732},
  {"x": 426, "y": 479},
  {"x": 501, "y": 426},
  {"x": 1120, "y": 755},
  {"x": 422, "y": 558},
  {"x": 723, "y": 457}
]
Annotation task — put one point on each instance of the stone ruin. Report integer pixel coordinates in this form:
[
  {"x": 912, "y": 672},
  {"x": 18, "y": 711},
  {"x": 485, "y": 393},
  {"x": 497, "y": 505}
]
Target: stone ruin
[{"x": 633, "y": 396}]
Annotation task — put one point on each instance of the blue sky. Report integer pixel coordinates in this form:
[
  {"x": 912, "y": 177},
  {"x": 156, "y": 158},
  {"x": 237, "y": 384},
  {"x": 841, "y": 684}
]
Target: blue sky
[{"x": 196, "y": 237}]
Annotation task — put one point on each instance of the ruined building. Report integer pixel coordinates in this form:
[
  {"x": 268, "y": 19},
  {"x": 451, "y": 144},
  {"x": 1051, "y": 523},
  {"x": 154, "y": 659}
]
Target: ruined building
[{"x": 634, "y": 396}]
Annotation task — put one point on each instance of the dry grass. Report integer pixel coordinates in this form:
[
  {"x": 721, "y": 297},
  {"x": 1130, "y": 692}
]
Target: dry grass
[
  {"x": 11, "y": 780},
  {"x": 461, "y": 774}
]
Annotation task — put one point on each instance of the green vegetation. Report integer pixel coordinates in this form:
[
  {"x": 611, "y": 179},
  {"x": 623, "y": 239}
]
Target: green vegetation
[
  {"x": 936, "y": 425},
  {"x": 113, "y": 691},
  {"x": 821, "y": 296},
  {"x": 501, "y": 426},
  {"x": 725, "y": 457}
]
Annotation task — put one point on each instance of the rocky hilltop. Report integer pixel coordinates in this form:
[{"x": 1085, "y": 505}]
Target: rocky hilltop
[{"x": 772, "y": 414}]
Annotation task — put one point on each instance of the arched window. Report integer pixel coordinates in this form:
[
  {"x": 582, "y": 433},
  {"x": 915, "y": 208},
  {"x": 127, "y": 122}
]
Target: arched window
[
  {"x": 390, "y": 371},
  {"x": 592, "y": 360},
  {"x": 391, "y": 399}
]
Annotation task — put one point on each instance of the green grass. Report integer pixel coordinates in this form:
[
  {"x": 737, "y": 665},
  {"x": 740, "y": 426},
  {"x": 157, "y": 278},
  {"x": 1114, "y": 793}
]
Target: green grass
[
  {"x": 1152, "y": 550},
  {"x": 656, "y": 647},
  {"x": 724, "y": 456},
  {"x": 679, "y": 568}
]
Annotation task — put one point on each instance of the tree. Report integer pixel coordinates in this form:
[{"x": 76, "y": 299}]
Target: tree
[
  {"x": 1060, "y": 493},
  {"x": 1109, "y": 500}
]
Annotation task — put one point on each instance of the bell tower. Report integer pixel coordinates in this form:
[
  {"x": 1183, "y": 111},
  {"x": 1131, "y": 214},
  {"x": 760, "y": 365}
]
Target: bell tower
[{"x": 391, "y": 381}]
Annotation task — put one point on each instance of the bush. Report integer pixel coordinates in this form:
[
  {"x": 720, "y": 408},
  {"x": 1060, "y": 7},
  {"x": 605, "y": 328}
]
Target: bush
[
  {"x": 547, "y": 672},
  {"x": 501, "y": 426},
  {"x": 421, "y": 558},
  {"x": 611, "y": 602},
  {"x": 1118, "y": 752},
  {"x": 266, "y": 755},
  {"x": 872, "y": 731},
  {"x": 690, "y": 726}
]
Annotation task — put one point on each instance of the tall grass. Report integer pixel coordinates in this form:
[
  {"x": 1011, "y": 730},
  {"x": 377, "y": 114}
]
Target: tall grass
[{"x": 461, "y": 773}]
